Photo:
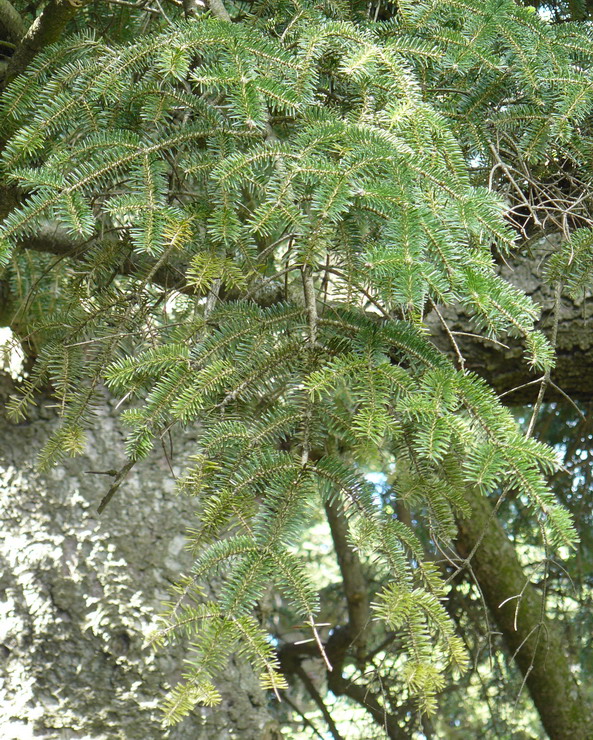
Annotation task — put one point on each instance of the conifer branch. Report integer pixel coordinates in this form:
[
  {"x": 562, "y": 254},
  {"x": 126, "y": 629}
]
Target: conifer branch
[
  {"x": 190, "y": 181},
  {"x": 502, "y": 367}
]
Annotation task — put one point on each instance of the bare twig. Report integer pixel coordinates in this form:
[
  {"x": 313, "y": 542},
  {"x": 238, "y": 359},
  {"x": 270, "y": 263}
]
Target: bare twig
[
  {"x": 451, "y": 337},
  {"x": 546, "y": 379},
  {"x": 119, "y": 479},
  {"x": 316, "y": 696}
]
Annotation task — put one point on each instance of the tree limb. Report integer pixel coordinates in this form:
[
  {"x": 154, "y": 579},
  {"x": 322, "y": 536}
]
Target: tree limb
[
  {"x": 46, "y": 29},
  {"x": 316, "y": 696},
  {"x": 302, "y": 715},
  {"x": 218, "y": 10},
  {"x": 369, "y": 701},
  {"x": 12, "y": 26},
  {"x": 355, "y": 585},
  {"x": 535, "y": 642},
  {"x": 504, "y": 365}
]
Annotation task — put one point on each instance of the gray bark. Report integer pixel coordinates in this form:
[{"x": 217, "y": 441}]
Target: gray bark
[
  {"x": 79, "y": 594},
  {"x": 12, "y": 27}
]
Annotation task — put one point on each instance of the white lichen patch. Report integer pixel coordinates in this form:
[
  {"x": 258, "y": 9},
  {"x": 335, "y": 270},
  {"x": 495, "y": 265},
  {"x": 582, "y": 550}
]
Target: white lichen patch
[{"x": 80, "y": 594}]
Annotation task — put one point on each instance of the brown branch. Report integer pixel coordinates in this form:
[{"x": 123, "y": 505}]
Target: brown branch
[
  {"x": 361, "y": 695},
  {"x": 302, "y": 715},
  {"x": 46, "y": 29},
  {"x": 355, "y": 585},
  {"x": 536, "y": 643},
  {"x": 316, "y": 696},
  {"x": 336, "y": 647}
]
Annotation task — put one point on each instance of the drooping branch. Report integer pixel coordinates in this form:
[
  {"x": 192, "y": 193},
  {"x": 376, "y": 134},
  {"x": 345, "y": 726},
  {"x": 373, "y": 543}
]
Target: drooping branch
[
  {"x": 501, "y": 363},
  {"x": 344, "y": 637}
]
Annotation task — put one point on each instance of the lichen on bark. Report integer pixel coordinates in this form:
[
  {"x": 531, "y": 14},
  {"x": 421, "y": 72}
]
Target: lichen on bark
[{"x": 80, "y": 593}]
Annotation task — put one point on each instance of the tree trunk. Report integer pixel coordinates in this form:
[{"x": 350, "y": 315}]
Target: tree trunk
[
  {"x": 79, "y": 594},
  {"x": 536, "y": 642}
]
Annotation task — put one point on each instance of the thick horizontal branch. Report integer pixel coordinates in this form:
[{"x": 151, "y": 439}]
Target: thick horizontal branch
[
  {"x": 54, "y": 240},
  {"x": 502, "y": 364}
]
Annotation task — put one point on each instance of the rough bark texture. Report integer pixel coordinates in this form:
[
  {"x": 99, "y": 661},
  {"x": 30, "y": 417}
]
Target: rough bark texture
[
  {"x": 539, "y": 649},
  {"x": 505, "y": 368},
  {"x": 79, "y": 594},
  {"x": 12, "y": 27},
  {"x": 46, "y": 29}
]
